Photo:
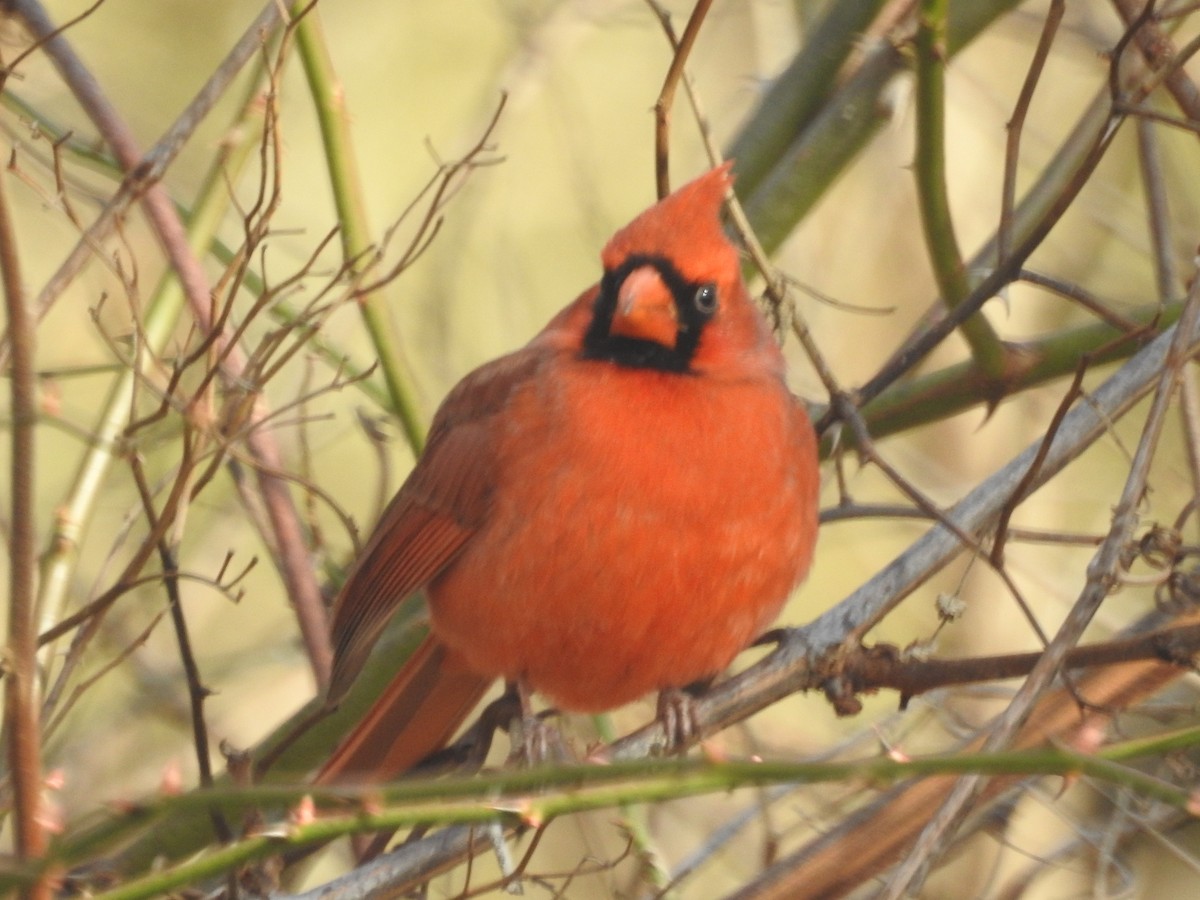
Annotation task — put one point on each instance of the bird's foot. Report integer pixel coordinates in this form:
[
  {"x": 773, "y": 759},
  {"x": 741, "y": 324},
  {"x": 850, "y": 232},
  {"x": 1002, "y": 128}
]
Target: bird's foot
[
  {"x": 534, "y": 740},
  {"x": 679, "y": 716}
]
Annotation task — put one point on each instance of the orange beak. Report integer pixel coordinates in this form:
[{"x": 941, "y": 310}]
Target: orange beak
[{"x": 645, "y": 309}]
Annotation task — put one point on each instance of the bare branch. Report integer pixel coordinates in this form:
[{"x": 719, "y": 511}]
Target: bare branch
[{"x": 22, "y": 726}]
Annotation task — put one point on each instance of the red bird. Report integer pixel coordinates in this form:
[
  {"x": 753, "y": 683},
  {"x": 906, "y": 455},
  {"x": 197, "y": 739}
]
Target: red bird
[{"x": 617, "y": 508}]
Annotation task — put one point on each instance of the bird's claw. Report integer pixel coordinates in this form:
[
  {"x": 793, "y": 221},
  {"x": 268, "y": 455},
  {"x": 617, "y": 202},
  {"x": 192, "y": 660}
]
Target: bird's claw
[
  {"x": 536, "y": 741},
  {"x": 679, "y": 716},
  {"x": 533, "y": 739}
]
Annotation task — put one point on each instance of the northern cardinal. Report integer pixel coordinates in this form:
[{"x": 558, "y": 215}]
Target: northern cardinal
[{"x": 617, "y": 508}]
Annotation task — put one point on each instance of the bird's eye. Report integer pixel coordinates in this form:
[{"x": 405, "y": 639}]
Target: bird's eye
[{"x": 705, "y": 300}]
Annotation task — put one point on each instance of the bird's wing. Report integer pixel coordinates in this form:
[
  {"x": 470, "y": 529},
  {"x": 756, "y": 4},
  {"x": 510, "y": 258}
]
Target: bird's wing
[{"x": 433, "y": 515}]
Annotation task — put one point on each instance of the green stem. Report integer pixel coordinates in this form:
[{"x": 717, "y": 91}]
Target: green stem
[
  {"x": 636, "y": 821},
  {"x": 543, "y": 794},
  {"x": 795, "y": 97},
  {"x": 955, "y": 388},
  {"x": 932, "y": 194},
  {"x": 803, "y": 172},
  {"x": 355, "y": 232}
]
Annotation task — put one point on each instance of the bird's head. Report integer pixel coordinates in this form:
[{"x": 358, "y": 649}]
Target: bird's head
[{"x": 672, "y": 296}]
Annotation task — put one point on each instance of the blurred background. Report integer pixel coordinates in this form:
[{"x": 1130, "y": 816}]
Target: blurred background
[{"x": 570, "y": 160}]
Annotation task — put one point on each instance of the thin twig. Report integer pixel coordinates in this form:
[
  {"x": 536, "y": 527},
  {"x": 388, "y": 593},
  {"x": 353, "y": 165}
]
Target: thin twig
[
  {"x": 197, "y": 692},
  {"x": 144, "y": 172},
  {"x": 1083, "y": 297},
  {"x": 1016, "y": 125},
  {"x": 63, "y": 706},
  {"x": 666, "y": 98},
  {"x": 776, "y": 295},
  {"x": 866, "y": 448},
  {"x": 440, "y": 188},
  {"x": 1158, "y": 211},
  {"x": 1074, "y": 392},
  {"x": 1156, "y": 46}
]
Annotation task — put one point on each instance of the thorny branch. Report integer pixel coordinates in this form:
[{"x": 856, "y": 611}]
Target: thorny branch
[
  {"x": 1102, "y": 571},
  {"x": 1101, "y": 578}
]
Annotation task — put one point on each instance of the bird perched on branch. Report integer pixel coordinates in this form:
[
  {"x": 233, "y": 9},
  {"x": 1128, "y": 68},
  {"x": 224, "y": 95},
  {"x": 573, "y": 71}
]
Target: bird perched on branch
[{"x": 617, "y": 508}]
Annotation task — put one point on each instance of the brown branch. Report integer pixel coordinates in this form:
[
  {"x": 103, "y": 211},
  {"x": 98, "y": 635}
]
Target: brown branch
[
  {"x": 885, "y": 666},
  {"x": 666, "y": 97},
  {"x": 1016, "y": 125},
  {"x": 1157, "y": 48},
  {"x": 197, "y": 692},
  {"x": 22, "y": 725}
]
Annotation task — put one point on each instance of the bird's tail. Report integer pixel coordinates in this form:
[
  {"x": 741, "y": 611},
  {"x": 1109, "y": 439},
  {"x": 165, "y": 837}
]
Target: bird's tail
[{"x": 416, "y": 715}]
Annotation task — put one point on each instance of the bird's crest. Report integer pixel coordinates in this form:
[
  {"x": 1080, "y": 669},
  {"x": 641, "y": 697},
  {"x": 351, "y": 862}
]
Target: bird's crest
[{"x": 685, "y": 228}]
